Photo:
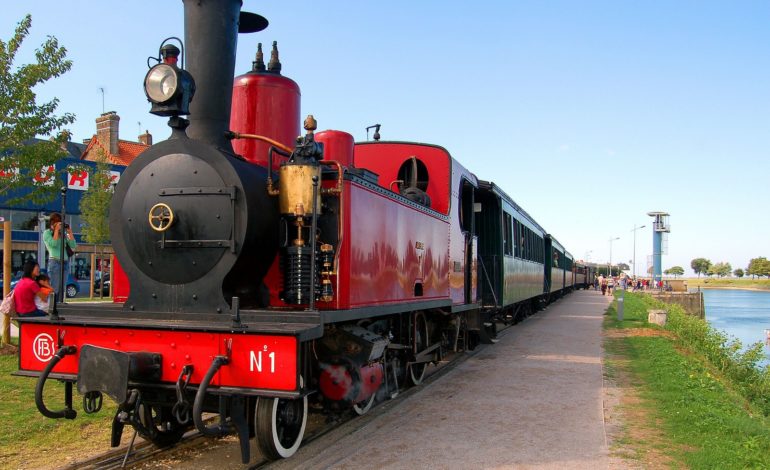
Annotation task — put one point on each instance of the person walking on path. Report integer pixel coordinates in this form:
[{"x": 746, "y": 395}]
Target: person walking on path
[{"x": 52, "y": 238}]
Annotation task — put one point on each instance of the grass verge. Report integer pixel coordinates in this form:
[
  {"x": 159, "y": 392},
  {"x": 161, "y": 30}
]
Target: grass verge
[
  {"x": 730, "y": 282},
  {"x": 29, "y": 440},
  {"x": 701, "y": 411}
]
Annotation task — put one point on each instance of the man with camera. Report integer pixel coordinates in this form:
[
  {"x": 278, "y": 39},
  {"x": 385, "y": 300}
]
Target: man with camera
[{"x": 52, "y": 238}]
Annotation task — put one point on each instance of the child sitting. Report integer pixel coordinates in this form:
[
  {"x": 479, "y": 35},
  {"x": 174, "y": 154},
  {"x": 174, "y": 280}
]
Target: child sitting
[{"x": 45, "y": 286}]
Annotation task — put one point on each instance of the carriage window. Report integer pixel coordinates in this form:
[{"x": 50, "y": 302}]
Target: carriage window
[
  {"x": 539, "y": 249},
  {"x": 507, "y": 238},
  {"x": 516, "y": 232},
  {"x": 527, "y": 243}
]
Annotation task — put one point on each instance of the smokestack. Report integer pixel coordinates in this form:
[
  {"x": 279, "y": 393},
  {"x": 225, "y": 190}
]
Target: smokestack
[{"x": 211, "y": 37}]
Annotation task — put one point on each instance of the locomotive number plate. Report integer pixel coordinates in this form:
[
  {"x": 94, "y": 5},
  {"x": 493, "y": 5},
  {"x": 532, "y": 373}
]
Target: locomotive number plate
[{"x": 258, "y": 361}]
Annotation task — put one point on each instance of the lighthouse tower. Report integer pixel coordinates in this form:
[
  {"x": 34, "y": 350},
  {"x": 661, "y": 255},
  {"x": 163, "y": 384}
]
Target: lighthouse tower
[{"x": 660, "y": 229}]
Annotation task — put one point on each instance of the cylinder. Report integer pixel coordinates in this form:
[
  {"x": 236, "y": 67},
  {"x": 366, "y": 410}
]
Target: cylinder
[
  {"x": 210, "y": 37},
  {"x": 349, "y": 383},
  {"x": 266, "y": 104},
  {"x": 338, "y": 146},
  {"x": 371, "y": 379}
]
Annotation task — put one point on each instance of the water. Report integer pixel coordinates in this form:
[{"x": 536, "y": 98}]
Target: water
[{"x": 743, "y": 314}]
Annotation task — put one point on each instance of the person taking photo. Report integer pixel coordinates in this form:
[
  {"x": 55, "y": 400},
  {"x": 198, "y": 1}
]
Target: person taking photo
[{"x": 52, "y": 238}]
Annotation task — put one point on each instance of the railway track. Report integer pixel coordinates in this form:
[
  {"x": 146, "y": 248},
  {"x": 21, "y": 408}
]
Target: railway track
[{"x": 144, "y": 453}]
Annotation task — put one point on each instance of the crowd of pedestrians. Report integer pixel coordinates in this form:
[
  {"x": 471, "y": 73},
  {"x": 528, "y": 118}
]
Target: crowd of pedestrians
[{"x": 610, "y": 283}]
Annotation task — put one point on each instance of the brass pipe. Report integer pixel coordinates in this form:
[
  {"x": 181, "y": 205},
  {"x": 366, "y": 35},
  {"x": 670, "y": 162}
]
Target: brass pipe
[
  {"x": 268, "y": 140},
  {"x": 270, "y": 189},
  {"x": 338, "y": 189}
]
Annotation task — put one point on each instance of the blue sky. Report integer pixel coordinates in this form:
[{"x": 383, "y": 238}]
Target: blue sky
[{"x": 589, "y": 114}]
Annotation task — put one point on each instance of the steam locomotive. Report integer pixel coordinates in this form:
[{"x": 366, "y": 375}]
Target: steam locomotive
[{"x": 264, "y": 270}]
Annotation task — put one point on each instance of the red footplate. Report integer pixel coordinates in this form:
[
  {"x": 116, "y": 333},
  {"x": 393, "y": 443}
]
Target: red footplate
[{"x": 256, "y": 361}]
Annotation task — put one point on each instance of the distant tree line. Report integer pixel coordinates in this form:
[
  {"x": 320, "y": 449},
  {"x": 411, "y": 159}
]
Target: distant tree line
[{"x": 757, "y": 267}]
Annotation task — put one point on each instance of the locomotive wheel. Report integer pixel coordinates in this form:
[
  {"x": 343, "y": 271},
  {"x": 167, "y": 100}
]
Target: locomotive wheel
[
  {"x": 364, "y": 406},
  {"x": 280, "y": 425},
  {"x": 164, "y": 428},
  {"x": 419, "y": 343}
]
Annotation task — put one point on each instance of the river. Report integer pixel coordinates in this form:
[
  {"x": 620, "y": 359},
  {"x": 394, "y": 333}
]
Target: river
[{"x": 743, "y": 314}]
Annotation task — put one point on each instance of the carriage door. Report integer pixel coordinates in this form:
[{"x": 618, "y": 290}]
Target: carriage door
[{"x": 467, "y": 225}]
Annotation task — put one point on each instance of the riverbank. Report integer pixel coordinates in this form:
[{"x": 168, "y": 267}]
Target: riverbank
[
  {"x": 686, "y": 399},
  {"x": 728, "y": 283}
]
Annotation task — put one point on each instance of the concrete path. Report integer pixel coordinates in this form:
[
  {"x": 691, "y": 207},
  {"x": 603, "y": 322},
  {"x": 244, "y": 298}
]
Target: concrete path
[{"x": 532, "y": 401}]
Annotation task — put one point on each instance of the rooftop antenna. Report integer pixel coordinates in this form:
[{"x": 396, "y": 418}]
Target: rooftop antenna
[
  {"x": 376, "y": 135},
  {"x": 102, "y": 90},
  {"x": 139, "y": 125}
]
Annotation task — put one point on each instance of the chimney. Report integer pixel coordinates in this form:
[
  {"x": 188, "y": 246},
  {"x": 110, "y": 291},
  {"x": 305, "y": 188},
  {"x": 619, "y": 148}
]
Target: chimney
[
  {"x": 145, "y": 138},
  {"x": 107, "y": 131}
]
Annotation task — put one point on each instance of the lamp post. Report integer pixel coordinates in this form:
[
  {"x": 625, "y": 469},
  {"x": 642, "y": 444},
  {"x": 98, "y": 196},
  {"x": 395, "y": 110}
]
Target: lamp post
[
  {"x": 634, "y": 230},
  {"x": 609, "y": 272}
]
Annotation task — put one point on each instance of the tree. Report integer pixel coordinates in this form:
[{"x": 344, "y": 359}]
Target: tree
[
  {"x": 720, "y": 269},
  {"x": 759, "y": 267},
  {"x": 95, "y": 206},
  {"x": 738, "y": 272},
  {"x": 700, "y": 265},
  {"x": 674, "y": 271},
  {"x": 22, "y": 119},
  {"x": 623, "y": 267}
]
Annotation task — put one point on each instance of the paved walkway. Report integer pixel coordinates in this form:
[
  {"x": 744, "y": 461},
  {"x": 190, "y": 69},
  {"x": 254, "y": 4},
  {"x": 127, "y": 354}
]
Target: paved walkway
[{"x": 533, "y": 400}]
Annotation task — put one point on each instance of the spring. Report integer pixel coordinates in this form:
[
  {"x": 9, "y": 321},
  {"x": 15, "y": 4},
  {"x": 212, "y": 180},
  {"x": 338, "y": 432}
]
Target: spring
[{"x": 296, "y": 268}]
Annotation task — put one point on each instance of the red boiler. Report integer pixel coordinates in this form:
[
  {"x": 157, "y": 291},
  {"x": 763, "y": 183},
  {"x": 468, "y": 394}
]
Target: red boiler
[{"x": 265, "y": 103}]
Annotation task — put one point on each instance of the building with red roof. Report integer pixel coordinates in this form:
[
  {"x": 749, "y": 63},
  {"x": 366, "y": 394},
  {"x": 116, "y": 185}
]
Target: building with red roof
[{"x": 106, "y": 142}]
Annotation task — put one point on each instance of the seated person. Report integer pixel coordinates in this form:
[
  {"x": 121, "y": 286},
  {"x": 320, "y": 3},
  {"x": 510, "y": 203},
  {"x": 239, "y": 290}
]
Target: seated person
[
  {"x": 26, "y": 291},
  {"x": 45, "y": 288}
]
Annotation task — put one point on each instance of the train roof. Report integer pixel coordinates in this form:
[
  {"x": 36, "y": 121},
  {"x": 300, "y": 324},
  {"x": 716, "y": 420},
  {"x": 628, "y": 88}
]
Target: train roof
[{"x": 491, "y": 186}]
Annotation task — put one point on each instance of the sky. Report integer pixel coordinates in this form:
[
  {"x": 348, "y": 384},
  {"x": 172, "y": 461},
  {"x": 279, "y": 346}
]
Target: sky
[{"x": 589, "y": 114}]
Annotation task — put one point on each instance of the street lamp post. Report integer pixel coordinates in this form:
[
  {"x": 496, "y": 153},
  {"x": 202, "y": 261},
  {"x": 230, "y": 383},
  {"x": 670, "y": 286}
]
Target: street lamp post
[
  {"x": 634, "y": 230},
  {"x": 610, "y": 265}
]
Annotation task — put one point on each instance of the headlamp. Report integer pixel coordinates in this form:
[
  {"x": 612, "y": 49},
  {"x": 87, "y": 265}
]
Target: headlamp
[
  {"x": 168, "y": 87},
  {"x": 160, "y": 84}
]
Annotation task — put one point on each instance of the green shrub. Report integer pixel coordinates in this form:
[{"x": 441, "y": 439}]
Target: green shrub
[{"x": 741, "y": 367}]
